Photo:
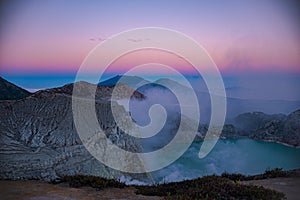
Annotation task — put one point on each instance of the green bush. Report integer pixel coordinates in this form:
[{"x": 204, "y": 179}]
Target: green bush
[
  {"x": 234, "y": 177},
  {"x": 209, "y": 187},
  {"x": 273, "y": 173},
  {"x": 269, "y": 173},
  {"x": 93, "y": 181},
  {"x": 226, "y": 186}
]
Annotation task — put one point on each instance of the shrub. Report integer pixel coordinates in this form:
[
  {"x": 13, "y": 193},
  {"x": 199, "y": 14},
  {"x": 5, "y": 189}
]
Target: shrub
[
  {"x": 93, "y": 181},
  {"x": 209, "y": 187}
]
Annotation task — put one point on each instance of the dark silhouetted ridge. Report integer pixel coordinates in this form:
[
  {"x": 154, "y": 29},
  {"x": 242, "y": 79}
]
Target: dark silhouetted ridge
[{"x": 9, "y": 91}]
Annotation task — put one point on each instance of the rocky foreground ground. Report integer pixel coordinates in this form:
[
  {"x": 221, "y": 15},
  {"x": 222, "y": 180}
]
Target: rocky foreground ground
[
  {"x": 274, "y": 184},
  {"x": 39, "y": 190},
  {"x": 290, "y": 186}
]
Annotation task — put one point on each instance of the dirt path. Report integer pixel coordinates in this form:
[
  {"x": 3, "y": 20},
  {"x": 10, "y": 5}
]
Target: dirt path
[
  {"x": 290, "y": 186},
  {"x": 38, "y": 190}
]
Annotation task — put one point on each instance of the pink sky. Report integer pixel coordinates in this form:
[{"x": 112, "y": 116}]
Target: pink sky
[{"x": 56, "y": 36}]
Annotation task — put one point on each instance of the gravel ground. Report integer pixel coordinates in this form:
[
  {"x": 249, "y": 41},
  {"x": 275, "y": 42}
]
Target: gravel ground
[
  {"x": 38, "y": 190},
  {"x": 290, "y": 186}
]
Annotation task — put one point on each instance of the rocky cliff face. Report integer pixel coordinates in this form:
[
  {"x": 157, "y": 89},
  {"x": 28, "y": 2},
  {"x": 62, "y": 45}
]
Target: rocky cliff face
[
  {"x": 38, "y": 139},
  {"x": 250, "y": 122},
  {"x": 285, "y": 130},
  {"x": 260, "y": 126}
]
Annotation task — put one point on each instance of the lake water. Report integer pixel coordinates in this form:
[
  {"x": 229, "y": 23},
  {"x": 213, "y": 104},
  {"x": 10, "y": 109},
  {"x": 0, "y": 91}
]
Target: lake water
[{"x": 234, "y": 156}]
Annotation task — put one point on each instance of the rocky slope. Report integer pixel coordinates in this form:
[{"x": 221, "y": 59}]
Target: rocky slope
[
  {"x": 9, "y": 91},
  {"x": 278, "y": 128},
  {"x": 38, "y": 139},
  {"x": 284, "y": 130}
]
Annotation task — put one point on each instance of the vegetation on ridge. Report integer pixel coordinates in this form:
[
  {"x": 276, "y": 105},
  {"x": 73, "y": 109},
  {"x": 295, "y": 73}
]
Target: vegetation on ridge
[
  {"x": 92, "y": 181},
  {"x": 226, "y": 186},
  {"x": 209, "y": 187},
  {"x": 269, "y": 173}
]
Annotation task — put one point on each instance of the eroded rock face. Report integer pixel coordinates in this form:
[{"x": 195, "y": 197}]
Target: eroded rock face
[
  {"x": 251, "y": 122},
  {"x": 292, "y": 126},
  {"x": 260, "y": 126},
  {"x": 285, "y": 131},
  {"x": 38, "y": 138}
]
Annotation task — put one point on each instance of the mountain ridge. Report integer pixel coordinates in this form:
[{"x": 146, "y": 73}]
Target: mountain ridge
[
  {"x": 133, "y": 81},
  {"x": 39, "y": 140},
  {"x": 10, "y": 91}
]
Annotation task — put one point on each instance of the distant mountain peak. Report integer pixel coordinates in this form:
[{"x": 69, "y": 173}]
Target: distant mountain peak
[{"x": 133, "y": 81}]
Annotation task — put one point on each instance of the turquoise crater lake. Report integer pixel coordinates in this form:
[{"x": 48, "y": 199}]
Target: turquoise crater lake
[{"x": 244, "y": 156}]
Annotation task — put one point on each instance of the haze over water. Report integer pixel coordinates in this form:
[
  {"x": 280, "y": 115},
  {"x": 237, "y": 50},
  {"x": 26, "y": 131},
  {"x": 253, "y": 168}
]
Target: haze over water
[{"x": 243, "y": 156}]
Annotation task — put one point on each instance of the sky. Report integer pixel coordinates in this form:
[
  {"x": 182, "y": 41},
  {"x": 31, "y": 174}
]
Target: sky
[{"x": 43, "y": 43}]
